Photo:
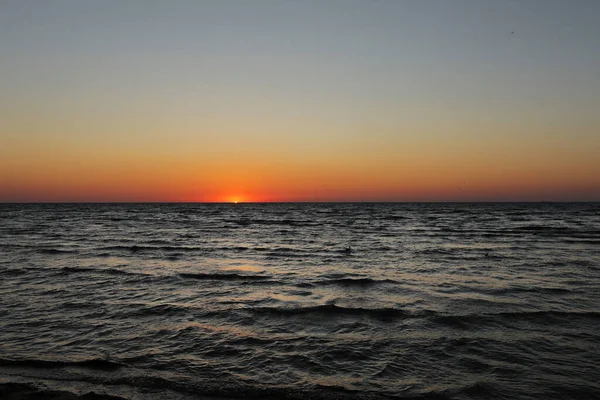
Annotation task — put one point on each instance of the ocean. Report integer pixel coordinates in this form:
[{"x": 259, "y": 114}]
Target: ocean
[{"x": 300, "y": 301}]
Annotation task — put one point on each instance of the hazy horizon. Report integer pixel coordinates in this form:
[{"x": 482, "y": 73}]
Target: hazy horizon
[{"x": 307, "y": 202}]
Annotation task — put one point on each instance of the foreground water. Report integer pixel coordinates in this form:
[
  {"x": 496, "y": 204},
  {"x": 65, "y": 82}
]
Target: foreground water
[{"x": 441, "y": 301}]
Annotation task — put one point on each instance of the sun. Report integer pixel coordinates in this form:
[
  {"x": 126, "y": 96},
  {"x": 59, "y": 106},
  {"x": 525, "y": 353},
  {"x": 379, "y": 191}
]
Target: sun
[{"x": 235, "y": 199}]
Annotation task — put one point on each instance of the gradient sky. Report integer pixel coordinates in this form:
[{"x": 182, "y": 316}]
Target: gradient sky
[{"x": 299, "y": 100}]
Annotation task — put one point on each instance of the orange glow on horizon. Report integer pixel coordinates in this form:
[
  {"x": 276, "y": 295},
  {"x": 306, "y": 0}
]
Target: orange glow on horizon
[
  {"x": 409, "y": 173},
  {"x": 234, "y": 199}
]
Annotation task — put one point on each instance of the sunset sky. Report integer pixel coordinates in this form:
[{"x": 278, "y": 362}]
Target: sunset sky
[{"x": 299, "y": 100}]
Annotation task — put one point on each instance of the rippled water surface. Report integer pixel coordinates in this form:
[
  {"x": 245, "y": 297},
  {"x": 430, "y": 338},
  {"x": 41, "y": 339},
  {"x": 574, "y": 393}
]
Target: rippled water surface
[{"x": 443, "y": 301}]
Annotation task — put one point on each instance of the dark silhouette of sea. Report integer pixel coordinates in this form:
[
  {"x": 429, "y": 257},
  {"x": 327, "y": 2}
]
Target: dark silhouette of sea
[{"x": 300, "y": 301}]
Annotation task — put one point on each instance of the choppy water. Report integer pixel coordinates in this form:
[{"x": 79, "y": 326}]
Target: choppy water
[{"x": 442, "y": 301}]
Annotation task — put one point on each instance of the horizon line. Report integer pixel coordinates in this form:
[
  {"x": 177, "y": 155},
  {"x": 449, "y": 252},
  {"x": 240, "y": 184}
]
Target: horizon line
[{"x": 308, "y": 202}]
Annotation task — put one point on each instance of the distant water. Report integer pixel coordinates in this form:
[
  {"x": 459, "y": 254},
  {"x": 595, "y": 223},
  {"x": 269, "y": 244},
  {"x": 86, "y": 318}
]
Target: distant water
[{"x": 302, "y": 301}]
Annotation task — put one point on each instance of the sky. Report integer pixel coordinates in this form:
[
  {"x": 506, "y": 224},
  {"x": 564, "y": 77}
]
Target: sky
[{"x": 299, "y": 100}]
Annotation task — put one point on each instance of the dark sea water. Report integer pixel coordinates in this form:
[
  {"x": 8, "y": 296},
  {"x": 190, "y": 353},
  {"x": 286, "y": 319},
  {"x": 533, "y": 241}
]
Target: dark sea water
[{"x": 302, "y": 301}]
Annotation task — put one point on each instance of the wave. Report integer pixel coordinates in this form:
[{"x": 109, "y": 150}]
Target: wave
[
  {"x": 161, "y": 309},
  {"x": 544, "y": 290},
  {"x": 547, "y": 230},
  {"x": 270, "y": 222},
  {"x": 390, "y": 313},
  {"x": 393, "y": 217},
  {"x": 235, "y": 248},
  {"x": 258, "y": 279},
  {"x": 514, "y": 290},
  {"x": 93, "y": 363},
  {"x": 222, "y": 277},
  {"x": 582, "y": 241},
  {"x": 55, "y": 251},
  {"x": 286, "y": 252},
  {"x": 467, "y": 320},
  {"x": 13, "y": 390},
  {"x": 332, "y": 310},
  {"x": 542, "y": 228},
  {"x": 138, "y": 248},
  {"x": 305, "y": 285},
  {"x": 108, "y": 271},
  {"x": 213, "y": 388},
  {"x": 234, "y": 392},
  {"x": 13, "y": 271},
  {"x": 548, "y": 314},
  {"x": 356, "y": 281},
  {"x": 98, "y": 387}
]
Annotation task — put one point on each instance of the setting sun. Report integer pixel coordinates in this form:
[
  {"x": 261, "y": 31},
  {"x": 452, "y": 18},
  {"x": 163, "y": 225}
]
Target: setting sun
[{"x": 235, "y": 199}]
